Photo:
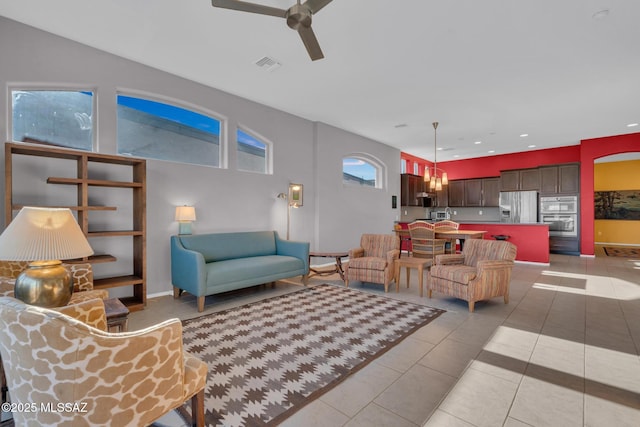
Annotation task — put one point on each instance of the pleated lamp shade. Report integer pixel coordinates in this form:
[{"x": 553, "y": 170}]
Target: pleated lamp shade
[{"x": 42, "y": 234}]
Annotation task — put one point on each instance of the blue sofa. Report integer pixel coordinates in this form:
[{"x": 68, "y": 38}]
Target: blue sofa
[{"x": 207, "y": 264}]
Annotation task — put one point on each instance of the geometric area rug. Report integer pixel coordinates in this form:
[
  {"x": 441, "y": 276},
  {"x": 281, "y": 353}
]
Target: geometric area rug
[
  {"x": 270, "y": 358},
  {"x": 621, "y": 251}
]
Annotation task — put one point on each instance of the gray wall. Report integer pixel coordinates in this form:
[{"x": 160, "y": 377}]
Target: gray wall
[{"x": 333, "y": 216}]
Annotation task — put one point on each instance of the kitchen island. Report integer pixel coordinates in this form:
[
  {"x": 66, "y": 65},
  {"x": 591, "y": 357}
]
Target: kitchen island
[{"x": 532, "y": 240}]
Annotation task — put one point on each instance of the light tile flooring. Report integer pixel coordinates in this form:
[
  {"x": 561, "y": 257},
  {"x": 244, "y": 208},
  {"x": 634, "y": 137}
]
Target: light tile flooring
[{"x": 563, "y": 352}]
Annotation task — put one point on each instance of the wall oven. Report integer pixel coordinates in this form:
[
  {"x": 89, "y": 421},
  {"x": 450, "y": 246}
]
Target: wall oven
[
  {"x": 561, "y": 224},
  {"x": 561, "y": 214}
]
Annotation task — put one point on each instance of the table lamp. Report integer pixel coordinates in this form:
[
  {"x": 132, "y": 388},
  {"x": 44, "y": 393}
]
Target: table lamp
[
  {"x": 44, "y": 236},
  {"x": 185, "y": 215}
]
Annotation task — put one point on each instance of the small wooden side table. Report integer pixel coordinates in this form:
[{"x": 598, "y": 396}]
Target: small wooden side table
[
  {"x": 338, "y": 267},
  {"x": 411, "y": 262},
  {"x": 117, "y": 315}
]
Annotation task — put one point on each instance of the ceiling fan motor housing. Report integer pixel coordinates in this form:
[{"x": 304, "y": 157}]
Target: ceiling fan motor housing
[{"x": 297, "y": 16}]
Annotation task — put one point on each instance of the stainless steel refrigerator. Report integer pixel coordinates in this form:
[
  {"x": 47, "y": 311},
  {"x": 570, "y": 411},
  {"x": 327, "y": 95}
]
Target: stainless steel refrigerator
[{"x": 519, "y": 207}]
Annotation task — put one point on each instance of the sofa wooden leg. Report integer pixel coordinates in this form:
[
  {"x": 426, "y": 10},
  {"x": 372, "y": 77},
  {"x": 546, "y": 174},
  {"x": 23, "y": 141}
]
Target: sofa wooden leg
[
  {"x": 177, "y": 292},
  {"x": 429, "y": 293},
  {"x": 346, "y": 282},
  {"x": 305, "y": 279},
  {"x": 201, "y": 304},
  {"x": 506, "y": 298},
  {"x": 197, "y": 409},
  {"x": 471, "y": 306}
]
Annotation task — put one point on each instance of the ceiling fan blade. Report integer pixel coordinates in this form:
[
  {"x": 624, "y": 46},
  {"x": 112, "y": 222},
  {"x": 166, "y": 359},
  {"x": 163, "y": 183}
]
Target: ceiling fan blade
[
  {"x": 315, "y": 5},
  {"x": 249, "y": 7},
  {"x": 310, "y": 42}
]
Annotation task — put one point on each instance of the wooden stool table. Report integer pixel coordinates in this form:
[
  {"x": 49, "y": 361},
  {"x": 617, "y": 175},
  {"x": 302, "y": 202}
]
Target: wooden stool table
[
  {"x": 412, "y": 262},
  {"x": 117, "y": 314},
  {"x": 338, "y": 267}
]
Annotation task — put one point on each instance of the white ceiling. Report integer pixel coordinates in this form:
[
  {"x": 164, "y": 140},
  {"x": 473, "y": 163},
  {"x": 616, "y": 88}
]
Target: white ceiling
[{"x": 486, "y": 70}]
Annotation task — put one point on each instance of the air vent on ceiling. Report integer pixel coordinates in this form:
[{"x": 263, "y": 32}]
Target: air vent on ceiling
[{"x": 267, "y": 64}]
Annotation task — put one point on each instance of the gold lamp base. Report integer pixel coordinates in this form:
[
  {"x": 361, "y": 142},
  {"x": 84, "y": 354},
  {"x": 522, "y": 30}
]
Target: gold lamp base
[{"x": 45, "y": 284}]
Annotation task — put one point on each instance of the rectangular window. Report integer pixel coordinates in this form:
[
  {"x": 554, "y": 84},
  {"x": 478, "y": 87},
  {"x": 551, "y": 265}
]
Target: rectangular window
[
  {"x": 55, "y": 117},
  {"x": 252, "y": 153},
  {"x": 156, "y": 130}
]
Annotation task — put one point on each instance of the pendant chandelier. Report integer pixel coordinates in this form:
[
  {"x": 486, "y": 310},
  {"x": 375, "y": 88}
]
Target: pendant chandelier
[{"x": 435, "y": 180}]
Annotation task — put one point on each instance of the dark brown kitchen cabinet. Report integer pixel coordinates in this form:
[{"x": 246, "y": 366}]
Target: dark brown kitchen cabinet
[
  {"x": 569, "y": 178},
  {"x": 410, "y": 186},
  {"x": 564, "y": 245},
  {"x": 510, "y": 180},
  {"x": 520, "y": 180},
  {"x": 442, "y": 198},
  {"x": 560, "y": 179},
  {"x": 529, "y": 179},
  {"x": 456, "y": 193},
  {"x": 491, "y": 191},
  {"x": 549, "y": 180},
  {"x": 472, "y": 192}
]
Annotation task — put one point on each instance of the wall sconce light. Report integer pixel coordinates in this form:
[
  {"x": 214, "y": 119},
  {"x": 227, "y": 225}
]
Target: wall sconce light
[
  {"x": 44, "y": 236},
  {"x": 294, "y": 200},
  {"x": 185, "y": 215},
  {"x": 295, "y": 195}
]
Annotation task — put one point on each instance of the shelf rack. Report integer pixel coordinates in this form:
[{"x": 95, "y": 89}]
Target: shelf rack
[{"x": 83, "y": 162}]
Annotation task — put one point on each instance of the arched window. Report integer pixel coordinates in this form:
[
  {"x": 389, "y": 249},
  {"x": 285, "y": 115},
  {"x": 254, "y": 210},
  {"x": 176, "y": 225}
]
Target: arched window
[
  {"x": 157, "y": 130},
  {"x": 362, "y": 170},
  {"x": 254, "y": 152}
]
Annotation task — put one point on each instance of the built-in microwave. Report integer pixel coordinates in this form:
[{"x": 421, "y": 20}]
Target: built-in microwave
[
  {"x": 559, "y": 205},
  {"x": 440, "y": 215}
]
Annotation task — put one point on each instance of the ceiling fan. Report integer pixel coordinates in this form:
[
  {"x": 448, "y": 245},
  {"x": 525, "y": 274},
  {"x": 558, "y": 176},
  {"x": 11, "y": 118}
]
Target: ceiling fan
[{"x": 298, "y": 18}]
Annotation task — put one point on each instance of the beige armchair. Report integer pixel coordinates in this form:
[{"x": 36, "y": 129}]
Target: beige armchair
[
  {"x": 481, "y": 271},
  {"x": 374, "y": 261},
  {"x": 423, "y": 241},
  {"x": 81, "y": 274},
  {"x": 123, "y": 379}
]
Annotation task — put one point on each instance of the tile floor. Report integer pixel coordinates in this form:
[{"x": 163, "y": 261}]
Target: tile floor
[{"x": 564, "y": 352}]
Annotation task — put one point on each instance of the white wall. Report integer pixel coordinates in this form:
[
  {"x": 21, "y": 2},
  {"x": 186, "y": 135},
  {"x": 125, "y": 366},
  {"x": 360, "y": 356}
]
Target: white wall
[{"x": 333, "y": 215}]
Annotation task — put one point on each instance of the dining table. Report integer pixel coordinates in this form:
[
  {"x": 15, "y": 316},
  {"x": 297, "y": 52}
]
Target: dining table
[{"x": 460, "y": 235}]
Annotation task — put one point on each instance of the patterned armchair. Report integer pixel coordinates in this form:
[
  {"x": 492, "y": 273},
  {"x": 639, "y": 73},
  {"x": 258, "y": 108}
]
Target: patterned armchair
[
  {"x": 374, "y": 261},
  {"x": 480, "y": 272},
  {"x": 81, "y": 274},
  {"x": 123, "y": 379},
  {"x": 423, "y": 241}
]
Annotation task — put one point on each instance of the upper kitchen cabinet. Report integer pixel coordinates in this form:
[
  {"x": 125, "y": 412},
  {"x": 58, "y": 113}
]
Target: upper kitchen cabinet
[
  {"x": 491, "y": 191},
  {"x": 410, "y": 186},
  {"x": 474, "y": 192},
  {"x": 456, "y": 193},
  {"x": 442, "y": 198},
  {"x": 520, "y": 180},
  {"x": 560, "y": 179}
]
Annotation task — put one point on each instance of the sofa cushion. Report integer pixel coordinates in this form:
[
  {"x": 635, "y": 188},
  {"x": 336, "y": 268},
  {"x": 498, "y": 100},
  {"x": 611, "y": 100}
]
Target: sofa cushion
[
  {"x": 242, "y": 269},
  {"x": 368, "y": 263},
  {"x": 459, "y": 273},
  {"x": 227, "y": 246}
]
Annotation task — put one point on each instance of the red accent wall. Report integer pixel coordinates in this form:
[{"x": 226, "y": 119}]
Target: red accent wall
[
  {"x": 482, "y": 167},
  {"x": 591, "y": 149},
  {"x": 532, "y": 240}
]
